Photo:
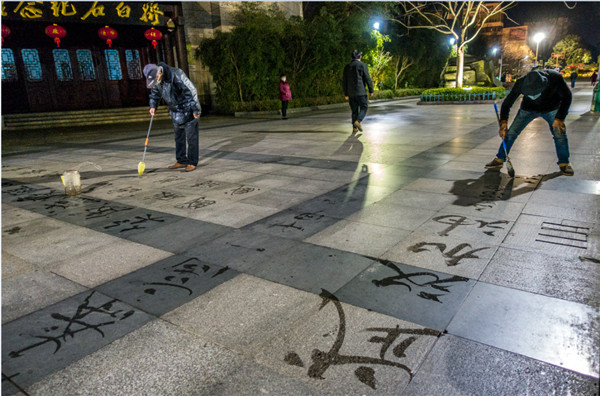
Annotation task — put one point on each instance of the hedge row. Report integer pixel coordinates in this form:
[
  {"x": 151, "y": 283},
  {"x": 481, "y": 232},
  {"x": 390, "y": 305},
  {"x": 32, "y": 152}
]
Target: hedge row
[
  {"x": 275, "y": 104},
  {"x": 500, "y": 91}
]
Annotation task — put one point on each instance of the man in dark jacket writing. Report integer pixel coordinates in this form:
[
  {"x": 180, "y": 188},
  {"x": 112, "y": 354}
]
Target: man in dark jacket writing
[
  {"x": 356, "y": 75},
  {"x": 172, "y": 85},
  {"x": 545, "y": 95}
]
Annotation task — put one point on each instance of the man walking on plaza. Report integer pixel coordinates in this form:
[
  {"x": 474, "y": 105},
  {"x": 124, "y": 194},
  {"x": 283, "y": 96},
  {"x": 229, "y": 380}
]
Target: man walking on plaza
[
  {"x": 545, "y": 95},
  {"x": 356, "y": 75},
  {"x": 172, "y": 85}
]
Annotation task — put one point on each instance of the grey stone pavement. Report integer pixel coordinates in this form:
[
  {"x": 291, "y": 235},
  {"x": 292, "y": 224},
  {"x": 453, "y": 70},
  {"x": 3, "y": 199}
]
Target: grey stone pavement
[{"x": 299, "y": 259}]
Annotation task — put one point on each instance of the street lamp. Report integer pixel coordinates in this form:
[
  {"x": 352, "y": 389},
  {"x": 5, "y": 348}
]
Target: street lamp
[
  {"x": 376, "y": 25},
  {"x": 494, "y": 52},
  {"x": 452, "y": 41},
  {"x": 538, "y": 38}
]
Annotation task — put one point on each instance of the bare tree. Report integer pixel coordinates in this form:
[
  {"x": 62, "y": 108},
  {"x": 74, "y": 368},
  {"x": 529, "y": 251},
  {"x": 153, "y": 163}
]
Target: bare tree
[
  {"x": 461, "y": 20},
  {"x": 402, "y": 63}
]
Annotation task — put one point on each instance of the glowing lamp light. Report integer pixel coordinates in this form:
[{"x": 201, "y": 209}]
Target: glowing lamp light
[
  {"x": 376, "y": 25},
  {"x": 108, "y": 34},
  {"x": 56, "y": 32},
  {"x": 5, "y": 32},
  {"x": 154, "y": 35}
]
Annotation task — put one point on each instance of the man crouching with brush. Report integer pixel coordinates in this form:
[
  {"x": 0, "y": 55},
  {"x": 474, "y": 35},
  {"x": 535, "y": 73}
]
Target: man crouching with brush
[
  {"x": 172, "y": 85},
  {"x": 546, "y": 95}
]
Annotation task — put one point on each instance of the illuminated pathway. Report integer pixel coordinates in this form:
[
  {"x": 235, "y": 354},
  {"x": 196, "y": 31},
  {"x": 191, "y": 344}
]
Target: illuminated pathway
[{"x": 301, "y": 259}]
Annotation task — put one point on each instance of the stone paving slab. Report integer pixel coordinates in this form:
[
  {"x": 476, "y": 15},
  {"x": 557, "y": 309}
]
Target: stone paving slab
[
  {"x": 53, "y": 240},
  {"x": 32, "y": 291},
  {"x": 492, "y": 371},
  {"x": 409, "y": 293},
  {"x": 465, "y": 257},
  {"x": 544, "y": 328},
  {"x": 50, "y": 339},
  {"x": 346, "y": 350},
  {"x": 152, "y": 360},
  {"x": 574, "y": 279},
  {"x": 105, "y": 263},
  {"x": 167, "y": 284},
  {"x": 361, "y": 238},
  {"x": 555, "y": 236},
  {"x": 243, "y": 313}
]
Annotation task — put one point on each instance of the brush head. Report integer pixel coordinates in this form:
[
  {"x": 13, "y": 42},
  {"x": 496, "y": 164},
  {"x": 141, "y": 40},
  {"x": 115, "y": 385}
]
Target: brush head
[
  {"x": 141, "y": 168},
  {"x": 510, "y": 169}
]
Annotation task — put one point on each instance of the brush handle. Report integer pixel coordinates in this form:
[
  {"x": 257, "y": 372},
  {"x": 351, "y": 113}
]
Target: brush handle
[{"x": 147, "y": 138}]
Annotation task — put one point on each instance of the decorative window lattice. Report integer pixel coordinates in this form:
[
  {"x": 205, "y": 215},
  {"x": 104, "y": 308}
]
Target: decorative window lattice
[
  {"x": 9, "y": 67},
  {"x": 134, "y": 68},
  {"x": 113, "y": 64},
  {"x": 62, "y": 63},
  {"x": 33, "y": 67},
  {"x": 86, "y": 65}
]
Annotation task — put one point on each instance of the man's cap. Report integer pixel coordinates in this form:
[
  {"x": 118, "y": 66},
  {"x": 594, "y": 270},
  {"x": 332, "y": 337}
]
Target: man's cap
[
  {"x": 533, "y": 83},
  {"x": 356, "y": 54},
  {"x": 151, "y": 72}
]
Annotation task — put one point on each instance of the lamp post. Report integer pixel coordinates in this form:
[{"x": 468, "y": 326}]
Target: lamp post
[
  {"x": 494, "y": 51},
  {"x": 520, "y": 60},
  {"x": 538, "y": 38}
]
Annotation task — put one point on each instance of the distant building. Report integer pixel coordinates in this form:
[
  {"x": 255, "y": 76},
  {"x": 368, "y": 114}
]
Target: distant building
[{"x": 203, "y": 19}]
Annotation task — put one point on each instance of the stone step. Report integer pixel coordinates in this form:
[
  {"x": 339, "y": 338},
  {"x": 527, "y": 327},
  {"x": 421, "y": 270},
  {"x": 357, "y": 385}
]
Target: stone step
[{"x": 80, "y": 118}]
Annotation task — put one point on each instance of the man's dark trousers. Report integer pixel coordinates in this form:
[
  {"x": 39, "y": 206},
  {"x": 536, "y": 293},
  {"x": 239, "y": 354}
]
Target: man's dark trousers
[
  {"x": 358, "y": 105},
  {"x": 187, "y": 132}
]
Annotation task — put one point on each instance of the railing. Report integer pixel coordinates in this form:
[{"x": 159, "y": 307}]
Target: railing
[{"x": 472, "y": 97}]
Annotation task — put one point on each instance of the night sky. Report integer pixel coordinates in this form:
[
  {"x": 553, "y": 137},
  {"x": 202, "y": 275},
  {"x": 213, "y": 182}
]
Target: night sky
[{"x": 584, "y": 19}]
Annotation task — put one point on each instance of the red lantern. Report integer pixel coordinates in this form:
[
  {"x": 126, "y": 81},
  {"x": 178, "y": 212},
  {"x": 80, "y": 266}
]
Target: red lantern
[
  {"x": 5, "y": 32},
  {"x": 153, "y": 34},
  {"x": 108, "y": 34},
  {"x": 56, "y": 32}
]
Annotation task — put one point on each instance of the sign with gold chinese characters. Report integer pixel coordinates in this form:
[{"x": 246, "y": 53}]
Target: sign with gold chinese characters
[{"x": 131, "y": 13}]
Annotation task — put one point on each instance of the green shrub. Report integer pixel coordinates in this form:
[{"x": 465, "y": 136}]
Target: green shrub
[
  {"x": 275, "y": 104},
  {"x": 455, "y": 94}
]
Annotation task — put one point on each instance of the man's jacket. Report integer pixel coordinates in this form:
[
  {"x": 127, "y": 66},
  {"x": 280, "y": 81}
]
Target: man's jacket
[
  {"x": 178, "y": 92},
  {"x": 556, "y": 95},
  {"x": 356, "y": 75}
]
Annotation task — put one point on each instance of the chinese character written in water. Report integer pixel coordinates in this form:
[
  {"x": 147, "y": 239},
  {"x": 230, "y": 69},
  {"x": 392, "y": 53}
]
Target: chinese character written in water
[
  {"x": 88, "y": 316},
  {"x": 29, "y": 10},
  {"x": 135, "y": 222},
  {"x": 421, "y": 280},
  {"x": 454, "y": 221},
  {"x": 151, "y": 13},
  {"x": 105, "y": 210},
  {"x": 322, "y": 360},
  {"x": 197, "y": 203},
  {"x": 95, "y": 11},
  {"x": 180, "y": 274},
  {"x": 302, "y": 216},
  {"x": 64, "y": 8},
  {"x": 452, "y": 256},
  {"x": 123, "y": 10}
]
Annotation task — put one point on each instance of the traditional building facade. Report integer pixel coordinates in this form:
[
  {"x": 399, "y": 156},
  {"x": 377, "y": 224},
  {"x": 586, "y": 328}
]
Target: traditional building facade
[{"x": 65, "y": 55}]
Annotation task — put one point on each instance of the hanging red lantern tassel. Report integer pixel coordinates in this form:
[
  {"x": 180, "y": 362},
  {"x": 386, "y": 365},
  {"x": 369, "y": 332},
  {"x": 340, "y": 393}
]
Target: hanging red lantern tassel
[
  {"x": 5, "y": 32},
  {"x": 56, "y": 32},
  {"x": 108, "y": 34},
  {"x": 153, "y": 35}
]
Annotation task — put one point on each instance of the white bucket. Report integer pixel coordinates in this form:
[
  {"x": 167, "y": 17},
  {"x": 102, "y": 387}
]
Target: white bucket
[{"x": 72, "y": 182}]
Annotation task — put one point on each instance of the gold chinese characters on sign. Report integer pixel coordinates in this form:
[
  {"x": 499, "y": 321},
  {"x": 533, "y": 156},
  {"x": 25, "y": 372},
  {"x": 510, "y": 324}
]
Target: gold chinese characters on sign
[{"x": 97, "y": 11}]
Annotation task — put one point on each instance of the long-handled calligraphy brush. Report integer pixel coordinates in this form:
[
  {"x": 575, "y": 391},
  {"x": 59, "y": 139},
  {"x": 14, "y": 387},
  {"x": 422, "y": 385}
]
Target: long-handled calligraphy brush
[{"x": 509, "y": 167}]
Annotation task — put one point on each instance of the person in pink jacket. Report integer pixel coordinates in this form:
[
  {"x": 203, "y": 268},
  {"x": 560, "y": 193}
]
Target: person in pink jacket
[{"x": 285, "y": 94}]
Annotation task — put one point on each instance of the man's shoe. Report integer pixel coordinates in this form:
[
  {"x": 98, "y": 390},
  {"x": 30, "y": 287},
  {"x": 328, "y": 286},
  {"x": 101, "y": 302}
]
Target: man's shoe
[
  {"x": 495, "y": 163},
  {"x": 354, "y": 130},
  {"x": 357, "y": 125},
  {"x": 190, "y": 168},
  {"x": 177, "y": 165},
  {"x": 566, "y": 169}
]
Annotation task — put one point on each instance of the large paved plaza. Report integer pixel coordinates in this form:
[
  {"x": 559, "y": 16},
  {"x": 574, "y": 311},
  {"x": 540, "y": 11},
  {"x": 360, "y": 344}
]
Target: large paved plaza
[{"x": 302, "y": 259}]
